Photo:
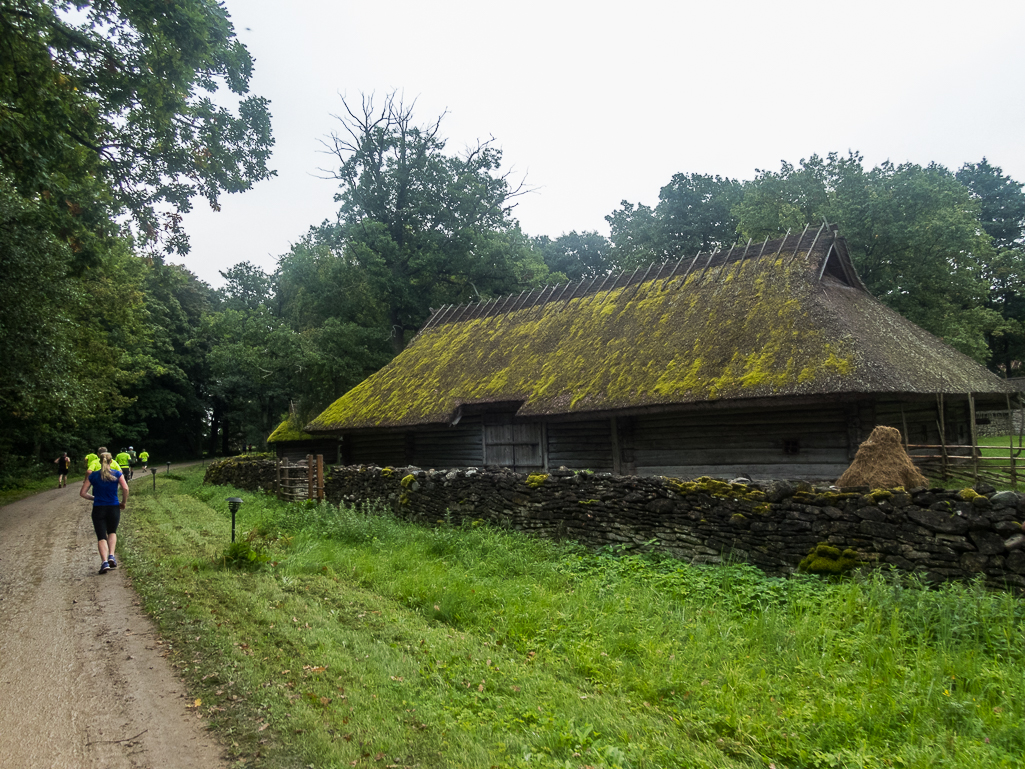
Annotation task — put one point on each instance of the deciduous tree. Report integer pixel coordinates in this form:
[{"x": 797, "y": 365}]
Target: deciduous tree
[
  {"x": 427, "y": 227},
  {"x": 913, "y": 232},
  {"x": 106, "y": 108}
]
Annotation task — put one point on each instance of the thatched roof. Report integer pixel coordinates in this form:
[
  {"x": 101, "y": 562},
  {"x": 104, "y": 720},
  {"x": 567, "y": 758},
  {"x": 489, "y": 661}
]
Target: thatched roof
[
  {"x": 787, "y": 317},
  {"x": 288, "y": 431}
]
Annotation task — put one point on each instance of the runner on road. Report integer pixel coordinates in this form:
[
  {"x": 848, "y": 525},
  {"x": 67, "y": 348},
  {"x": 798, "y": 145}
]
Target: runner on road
[
  {"x": 94, "y": 462},
  {"x": 125, "y": 461},
  {"x": 106, "y": 509},
  {"x": 63, "y": 463}
]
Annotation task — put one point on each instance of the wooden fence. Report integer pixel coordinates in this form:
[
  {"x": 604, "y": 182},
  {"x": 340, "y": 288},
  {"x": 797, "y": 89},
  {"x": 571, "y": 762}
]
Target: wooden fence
[
  {"x": 297, "y": 481},
  {"x": 1001, "y": 466}
]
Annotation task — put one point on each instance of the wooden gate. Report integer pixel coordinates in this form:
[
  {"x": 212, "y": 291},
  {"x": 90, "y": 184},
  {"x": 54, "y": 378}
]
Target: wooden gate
[{"x": 296, "y": 481}]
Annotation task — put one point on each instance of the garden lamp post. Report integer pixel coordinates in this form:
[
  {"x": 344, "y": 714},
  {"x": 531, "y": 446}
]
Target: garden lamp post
[
  {"x": 168, "y": 467},
  {"x": 153, "y": 470},
  {"x": 234, "y": 503}
]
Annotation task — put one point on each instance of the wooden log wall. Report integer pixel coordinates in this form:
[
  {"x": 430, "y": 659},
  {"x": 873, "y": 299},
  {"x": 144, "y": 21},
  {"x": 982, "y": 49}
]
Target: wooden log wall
[
  {"x": 922, "y": 419},
  {"x": 581, "y": 445},
  {"x": 383, "y": 448},
  {"x": 458, "y": 446},
  {"x": 811, "y": 442}
]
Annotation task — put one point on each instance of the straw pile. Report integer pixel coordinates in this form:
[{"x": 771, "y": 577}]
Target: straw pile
[{"x": 882, "y": 463}]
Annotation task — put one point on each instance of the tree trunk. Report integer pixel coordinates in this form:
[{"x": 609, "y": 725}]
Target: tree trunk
[
  {"x": 215, "y": 425},
  {"x": 398, "y": 332}
]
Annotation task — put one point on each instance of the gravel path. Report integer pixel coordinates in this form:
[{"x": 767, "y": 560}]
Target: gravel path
[{"x": 84, "y": 680}]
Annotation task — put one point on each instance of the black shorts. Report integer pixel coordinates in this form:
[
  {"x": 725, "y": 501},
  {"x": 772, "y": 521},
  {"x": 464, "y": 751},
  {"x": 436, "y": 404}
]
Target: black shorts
[{"x": 105, "y": 520}]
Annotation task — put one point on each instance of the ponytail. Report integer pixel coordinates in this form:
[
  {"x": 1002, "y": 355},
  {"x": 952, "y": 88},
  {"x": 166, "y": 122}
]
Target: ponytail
[{"x": 105, "y": 472}]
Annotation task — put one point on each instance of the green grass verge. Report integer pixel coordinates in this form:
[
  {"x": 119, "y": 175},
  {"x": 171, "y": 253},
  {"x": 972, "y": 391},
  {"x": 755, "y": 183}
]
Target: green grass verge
[{"x": 335, "y": 637}]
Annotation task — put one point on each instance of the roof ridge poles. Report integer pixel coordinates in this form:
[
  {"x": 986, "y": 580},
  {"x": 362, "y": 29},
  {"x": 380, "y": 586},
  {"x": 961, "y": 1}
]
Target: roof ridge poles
[
  {"x": 542, "y": 301},
  {"x": 432, "y": 321},
  {"x": 616, "y": 283},
  {"x": 508, "y": 298},
  {"x": 486, "y": 311},
  {"x": 755, "y": 260},
  {"x": 518, "y": 301},
  {"x": 709, "y": 262},
  {"x": 582, "y": 293},
  {"x": 813, "y": 242},
  {"x": 640, "y": 283},
  {"x": 825, "y": 261},
  {"x": 829, "y": 252},
  {"x": 798, "y": 246},
  {"x": 691, "y": 267},
  {"x": 740, "y": 261},
  {"x": 698, "y": 278},
  {"x": 532, "y": 301},
  {"x": 668, "y": 268},
  {"x": 462, "y": 316},
  {"x": 778, "y": 250},
  {"x": 564, "y": 289},
  {"x": 595, "y": 294},
  {"x": 448, "y": 314},
  {"x": 676, "y": 268},
  {"x": 475, "y": 311}
]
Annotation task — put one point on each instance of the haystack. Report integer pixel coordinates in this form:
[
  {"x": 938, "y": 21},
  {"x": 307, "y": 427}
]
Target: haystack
[{"x": 882, "y": 463}]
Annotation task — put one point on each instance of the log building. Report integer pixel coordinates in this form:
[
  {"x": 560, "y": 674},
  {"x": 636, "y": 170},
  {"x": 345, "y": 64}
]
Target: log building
[
  {"x": 771, "y": 360},
  {"x": 290, "y": 442}
]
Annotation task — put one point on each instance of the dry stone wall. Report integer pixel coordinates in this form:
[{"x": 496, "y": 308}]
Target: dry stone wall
[
  {"x": 243, "y": 472},
  {"x": 941, "y": 533},
  {"x": 1000, "y": 422}
]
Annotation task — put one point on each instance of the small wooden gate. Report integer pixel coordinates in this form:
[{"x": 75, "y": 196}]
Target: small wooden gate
[{"x": 296, "y": 481}]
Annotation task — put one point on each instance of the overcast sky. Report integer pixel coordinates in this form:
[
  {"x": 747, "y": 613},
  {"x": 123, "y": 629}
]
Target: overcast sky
[{"x": 595, "y": 103}]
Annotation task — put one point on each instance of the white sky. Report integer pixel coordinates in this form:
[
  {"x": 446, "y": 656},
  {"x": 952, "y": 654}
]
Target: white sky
[{"x": 599, "y": 102}]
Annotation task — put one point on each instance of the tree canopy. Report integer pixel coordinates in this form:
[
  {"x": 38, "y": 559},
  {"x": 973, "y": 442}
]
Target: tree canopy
[
  {"x": 106, "y": 108},
  {"x": 426, "y": 227},
  {"x": 108, "y": 131}
]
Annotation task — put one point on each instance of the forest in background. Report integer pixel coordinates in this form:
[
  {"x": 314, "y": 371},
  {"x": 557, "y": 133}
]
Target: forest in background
[{"x": 108, "y": 134}]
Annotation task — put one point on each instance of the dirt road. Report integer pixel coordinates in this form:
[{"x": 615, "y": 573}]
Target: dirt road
[{"x": 83, "y": 682}]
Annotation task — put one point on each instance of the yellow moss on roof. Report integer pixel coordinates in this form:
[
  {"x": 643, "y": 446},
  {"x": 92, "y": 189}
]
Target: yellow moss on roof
[
  {"x": 663, "y": 341},
  {"x": 288, "y": 431}
]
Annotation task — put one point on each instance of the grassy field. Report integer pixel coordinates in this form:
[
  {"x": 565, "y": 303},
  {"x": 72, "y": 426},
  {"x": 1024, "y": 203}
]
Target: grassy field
[{"x": 332, "y": 637}]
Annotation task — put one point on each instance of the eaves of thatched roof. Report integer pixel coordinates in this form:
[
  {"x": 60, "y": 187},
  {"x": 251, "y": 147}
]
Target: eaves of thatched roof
[
  {"x": 287, "y": 431},
  {"x": 785, "y": 318}
]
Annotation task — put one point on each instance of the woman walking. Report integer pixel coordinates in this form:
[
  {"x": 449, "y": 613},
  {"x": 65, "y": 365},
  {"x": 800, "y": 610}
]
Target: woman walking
[{"x": 106, "y": 508}]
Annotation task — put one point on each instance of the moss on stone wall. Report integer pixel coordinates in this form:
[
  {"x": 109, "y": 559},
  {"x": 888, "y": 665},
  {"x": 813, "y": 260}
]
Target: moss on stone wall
[{"x": 826, "y": 559}]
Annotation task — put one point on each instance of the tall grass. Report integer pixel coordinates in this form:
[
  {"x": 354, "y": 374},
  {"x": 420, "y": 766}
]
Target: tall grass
[{"x": 473, "y": 647}]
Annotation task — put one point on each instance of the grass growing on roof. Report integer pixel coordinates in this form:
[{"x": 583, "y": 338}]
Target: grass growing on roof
[
  {"x": 661, "y": 341},
  {"x": 367, "y": 641}
]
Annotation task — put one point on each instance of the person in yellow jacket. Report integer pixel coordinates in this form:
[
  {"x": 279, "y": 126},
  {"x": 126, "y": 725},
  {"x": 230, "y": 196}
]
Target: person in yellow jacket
[
  {"x": 144, "y": 458},
  {"x": 125, "y": 462},
  {"x": 94, "y": 461}
]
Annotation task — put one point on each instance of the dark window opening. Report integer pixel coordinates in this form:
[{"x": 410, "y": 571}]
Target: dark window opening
[{"x": 791, "y": 446}]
